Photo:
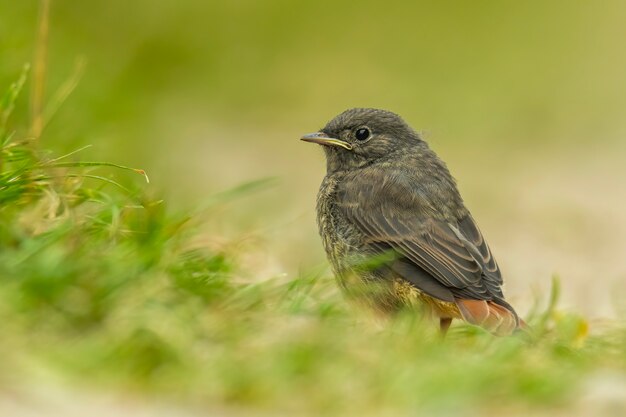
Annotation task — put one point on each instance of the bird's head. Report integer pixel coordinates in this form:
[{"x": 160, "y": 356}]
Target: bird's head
[{"x": 358, "y": 137}]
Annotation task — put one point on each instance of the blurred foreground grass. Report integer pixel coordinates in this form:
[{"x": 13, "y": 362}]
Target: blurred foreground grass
[{"x": 103, "y": 286}]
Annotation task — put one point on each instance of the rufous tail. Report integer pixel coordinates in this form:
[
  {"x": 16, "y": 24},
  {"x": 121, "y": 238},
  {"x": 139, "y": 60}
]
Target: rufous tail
[{"x": 493, "y": 317}]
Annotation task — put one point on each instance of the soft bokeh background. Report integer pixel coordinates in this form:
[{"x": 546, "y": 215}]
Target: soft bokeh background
[{"x": 526, "y": 101}]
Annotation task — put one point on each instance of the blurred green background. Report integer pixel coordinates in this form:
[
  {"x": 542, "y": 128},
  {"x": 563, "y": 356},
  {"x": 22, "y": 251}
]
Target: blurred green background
[
  {"x": 526, "y": 101},
  {"x": 233, "y": 308}
]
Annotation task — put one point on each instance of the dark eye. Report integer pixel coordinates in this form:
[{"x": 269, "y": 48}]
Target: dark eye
[{"x": 362, "y": 133}]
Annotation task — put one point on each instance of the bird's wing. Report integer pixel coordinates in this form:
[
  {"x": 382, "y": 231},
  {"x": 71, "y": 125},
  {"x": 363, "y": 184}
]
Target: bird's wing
[{"x": 455, "y": 254}]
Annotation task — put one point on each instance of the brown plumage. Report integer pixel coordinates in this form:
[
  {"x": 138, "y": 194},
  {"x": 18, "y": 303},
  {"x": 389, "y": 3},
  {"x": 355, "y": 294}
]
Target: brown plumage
[{"x": 395, "y": 228}]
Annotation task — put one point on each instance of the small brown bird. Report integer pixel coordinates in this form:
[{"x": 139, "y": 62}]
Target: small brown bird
[{"x": 395, "y": 228}]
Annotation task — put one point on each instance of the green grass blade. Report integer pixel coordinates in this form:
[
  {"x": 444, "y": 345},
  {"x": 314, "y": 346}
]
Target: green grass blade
[
  {"x": 7, "y": 104},
  {"x": 94, "y": 164}
]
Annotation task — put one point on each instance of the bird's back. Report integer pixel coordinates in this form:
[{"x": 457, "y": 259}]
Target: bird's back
[{"x": 349, "y": 206}]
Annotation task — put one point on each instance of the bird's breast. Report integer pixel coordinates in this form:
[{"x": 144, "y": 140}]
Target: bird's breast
[{"x": 340, "y": 238}]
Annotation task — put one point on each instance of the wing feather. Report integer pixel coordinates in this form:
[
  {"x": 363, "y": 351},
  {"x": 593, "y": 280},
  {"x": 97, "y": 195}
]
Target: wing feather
[{"x": 454, "y": 253}]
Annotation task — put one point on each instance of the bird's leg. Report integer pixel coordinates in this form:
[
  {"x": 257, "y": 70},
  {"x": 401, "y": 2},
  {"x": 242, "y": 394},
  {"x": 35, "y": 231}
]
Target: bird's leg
[{"x": 444, "y": 325}]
